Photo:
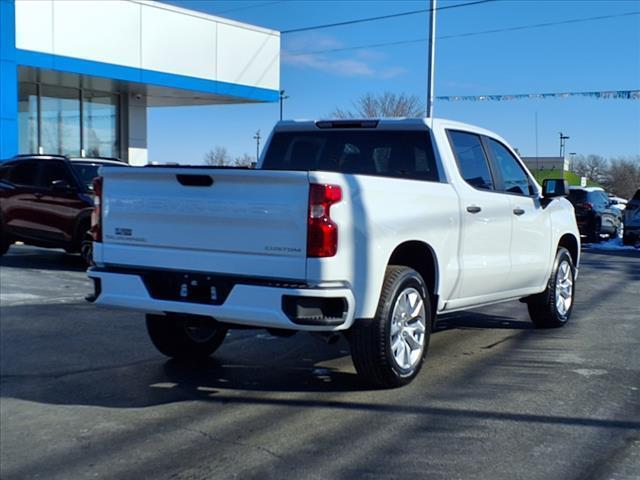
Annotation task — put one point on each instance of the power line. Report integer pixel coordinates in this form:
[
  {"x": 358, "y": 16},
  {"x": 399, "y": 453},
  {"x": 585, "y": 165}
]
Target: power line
[
  {"x": 249, "y": 6},
  {"x": 382, "y": 17},
  {"x": 467, "y": 34}
]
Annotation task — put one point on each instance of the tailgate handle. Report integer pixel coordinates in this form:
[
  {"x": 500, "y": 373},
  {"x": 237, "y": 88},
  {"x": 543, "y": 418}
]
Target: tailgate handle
[{"x": 195, "y": 180}]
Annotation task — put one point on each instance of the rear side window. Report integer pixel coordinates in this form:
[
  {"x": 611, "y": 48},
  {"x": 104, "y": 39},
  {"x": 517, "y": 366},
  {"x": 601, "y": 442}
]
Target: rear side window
[
  {"x": 577, "y": 196},
  {"x": 403, "y": 154},
  {"x": 513, "y": 177},
  {"x": 24, "y": 173},
  {"x": 471, "y": 159}
]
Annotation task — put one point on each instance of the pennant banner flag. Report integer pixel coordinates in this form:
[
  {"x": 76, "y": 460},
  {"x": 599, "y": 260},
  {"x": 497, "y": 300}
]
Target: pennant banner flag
[{"x": 613, "y": 94}]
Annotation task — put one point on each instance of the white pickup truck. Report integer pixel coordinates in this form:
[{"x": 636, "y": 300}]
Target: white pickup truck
[{"x": 364, "y": 227}]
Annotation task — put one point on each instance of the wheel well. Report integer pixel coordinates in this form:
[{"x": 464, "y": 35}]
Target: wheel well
[
  {"x": 82, "y": 225},
  {"x": 569, "y": 242},
  {"x": 420, "y": 257}
]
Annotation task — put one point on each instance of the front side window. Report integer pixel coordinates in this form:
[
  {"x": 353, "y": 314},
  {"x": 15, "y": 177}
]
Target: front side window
[
  {"x": 514, "y": 178},
  {"x": 471, "y": 158},
  {"x": 53, "y": 171},
  {"x": 86, "y": 172}
]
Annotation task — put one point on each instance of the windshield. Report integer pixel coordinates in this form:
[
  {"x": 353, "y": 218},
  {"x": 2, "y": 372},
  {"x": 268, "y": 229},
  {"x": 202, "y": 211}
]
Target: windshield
[{"x": 86, "y": 172}]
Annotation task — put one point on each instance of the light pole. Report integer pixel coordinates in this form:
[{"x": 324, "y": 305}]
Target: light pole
[
  {"x": 563, "y": 139},
  {"x": 257, "y": 138},
  {"x": 283, "y": 97},
  {"x": 432, "y": 58}
]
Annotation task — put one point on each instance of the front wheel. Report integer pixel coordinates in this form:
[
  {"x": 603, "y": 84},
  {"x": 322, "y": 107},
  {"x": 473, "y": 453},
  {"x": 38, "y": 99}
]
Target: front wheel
[
  {"x": 552, "y": 308},
  {"x": 185, "y": 337},
  {"x": 389, "y": 350}
]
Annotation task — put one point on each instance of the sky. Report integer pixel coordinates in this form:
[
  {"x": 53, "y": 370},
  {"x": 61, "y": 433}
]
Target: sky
[{"x": 596, "y": 55}]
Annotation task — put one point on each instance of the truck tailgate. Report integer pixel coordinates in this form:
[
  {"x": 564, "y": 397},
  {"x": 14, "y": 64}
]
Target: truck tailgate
[{"x": 228, "y": 221}]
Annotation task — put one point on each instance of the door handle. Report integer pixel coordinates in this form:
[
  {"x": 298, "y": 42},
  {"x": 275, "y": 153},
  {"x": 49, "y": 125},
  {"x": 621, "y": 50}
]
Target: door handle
[
  {"x": 38, "y": 195},
  {"x": 518, "y": 211},
  {"x": 474, "y": 209}
]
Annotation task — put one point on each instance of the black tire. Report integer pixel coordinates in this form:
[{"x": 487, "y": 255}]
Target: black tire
[
  {"x": 544, "y": 308},
  {"x": 185, "y": 337},
  {"x": 628, "y": 240},
  {"x": 593, "y": 236},
  {"x": 86, "y": 249},
  {"x": 371, "y": 339}
]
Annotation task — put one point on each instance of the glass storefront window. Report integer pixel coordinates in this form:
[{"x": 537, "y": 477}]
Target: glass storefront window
[
  {"x": 28, "y": 118},
  {"x": 100, "y": 124},
  {"x": 60, "y": 122},
  {"x": 62, "y": 126}
]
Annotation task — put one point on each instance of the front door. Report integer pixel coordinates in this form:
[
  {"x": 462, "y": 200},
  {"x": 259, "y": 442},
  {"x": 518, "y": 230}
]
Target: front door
[{"x": 531, "y": 249}]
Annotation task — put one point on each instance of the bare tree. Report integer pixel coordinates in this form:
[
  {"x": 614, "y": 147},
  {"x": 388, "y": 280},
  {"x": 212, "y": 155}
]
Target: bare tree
[
  {"x": 594, "y": 167},
  {"x": 387, "y": 104},
  {"x": 623, "y": 176},
  {"x": 245, "y": 160},
  {"x": 219, "y": 157}
]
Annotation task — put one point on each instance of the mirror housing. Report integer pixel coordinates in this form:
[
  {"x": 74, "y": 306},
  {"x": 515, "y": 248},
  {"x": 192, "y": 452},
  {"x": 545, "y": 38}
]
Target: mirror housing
[{"x": 555, "y": 187}]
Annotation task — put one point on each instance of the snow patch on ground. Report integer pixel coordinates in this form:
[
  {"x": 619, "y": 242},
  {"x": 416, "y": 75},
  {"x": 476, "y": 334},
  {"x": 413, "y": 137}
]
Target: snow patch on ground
[{"x": 612, "y": 244}]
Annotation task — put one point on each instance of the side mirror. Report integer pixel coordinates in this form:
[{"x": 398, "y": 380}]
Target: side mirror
[
  {"x": 554, "y": 187},
  {"x": 61, "y": 186}
]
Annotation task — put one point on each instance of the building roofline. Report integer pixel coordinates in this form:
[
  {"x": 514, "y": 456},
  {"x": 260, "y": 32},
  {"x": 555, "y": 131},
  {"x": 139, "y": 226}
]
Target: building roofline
[{"x": 205, "y": 16}]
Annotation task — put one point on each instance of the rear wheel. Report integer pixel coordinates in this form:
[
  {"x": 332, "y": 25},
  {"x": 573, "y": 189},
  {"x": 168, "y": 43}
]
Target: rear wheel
[
  {"x": 593, "y": 235},
  {"x": 389, "y": 350},
  {"x": 185, "y": 337},
  {"x": 86, "y": 249},
  {"x": 552, "y": 308}
]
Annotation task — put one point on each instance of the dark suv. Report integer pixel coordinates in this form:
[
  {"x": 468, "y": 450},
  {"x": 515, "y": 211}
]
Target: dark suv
[
  {"x": 47, "y": 200},
  {"x": 595, "y": 214}
]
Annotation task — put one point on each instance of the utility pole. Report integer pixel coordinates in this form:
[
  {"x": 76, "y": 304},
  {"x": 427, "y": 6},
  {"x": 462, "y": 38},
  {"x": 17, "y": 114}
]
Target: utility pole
[
  {"x": 432, "y": 58},
  {"x": 257, "y": 138},
  {"x": 563, "y": 139},
  {"x": 283, "y": 97}
]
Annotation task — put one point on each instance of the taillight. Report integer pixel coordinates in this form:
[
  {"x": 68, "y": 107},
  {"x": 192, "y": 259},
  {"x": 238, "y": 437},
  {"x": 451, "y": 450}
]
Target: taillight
[
  {"x": 96, "y": 215},
  {"x": 585, "y": 205},
  {"x": 322, "y": 232}
]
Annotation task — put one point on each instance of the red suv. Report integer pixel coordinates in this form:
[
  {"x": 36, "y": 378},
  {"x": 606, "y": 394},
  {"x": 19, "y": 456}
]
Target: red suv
[{"x": 46, "y": 201}]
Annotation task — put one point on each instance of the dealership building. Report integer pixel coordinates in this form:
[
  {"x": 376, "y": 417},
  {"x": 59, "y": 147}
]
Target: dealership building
[{"x": 77, "y": 76}]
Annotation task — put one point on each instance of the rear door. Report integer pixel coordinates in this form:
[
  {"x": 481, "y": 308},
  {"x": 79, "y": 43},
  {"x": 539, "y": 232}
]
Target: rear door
[
  {"x": 59, "y": 208},
  {"x": 486, "y": 223},
  {"x": 531, "y": 225},
  {"x": 20, "y": 199},
  {"x": 231, "y": 221}
]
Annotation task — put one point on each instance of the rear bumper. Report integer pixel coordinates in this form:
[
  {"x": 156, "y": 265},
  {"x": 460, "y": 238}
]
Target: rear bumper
[{"x": 248, "y": 305}]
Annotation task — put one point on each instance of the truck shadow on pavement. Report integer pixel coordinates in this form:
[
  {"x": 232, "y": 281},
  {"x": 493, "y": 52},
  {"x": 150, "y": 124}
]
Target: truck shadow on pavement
[
  {"x": 104, "y": 370},
  {"x": 42, "y": 259}
]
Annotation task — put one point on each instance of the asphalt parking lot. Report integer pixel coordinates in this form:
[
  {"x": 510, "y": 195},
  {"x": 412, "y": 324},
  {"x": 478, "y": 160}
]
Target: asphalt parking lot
[{"x": 85, "y": 395}]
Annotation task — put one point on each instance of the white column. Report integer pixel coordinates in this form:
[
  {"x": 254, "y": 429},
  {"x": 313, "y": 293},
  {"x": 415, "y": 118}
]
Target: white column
[{"x": 137, "y": 129}]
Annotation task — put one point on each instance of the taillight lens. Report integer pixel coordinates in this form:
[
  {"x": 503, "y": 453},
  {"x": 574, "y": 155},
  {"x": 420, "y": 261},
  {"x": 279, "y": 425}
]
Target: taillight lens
[
  {"x": 96, "y": 215},
  {"x": 585, "y": 205},
  {"x": 322, "y": 232}
]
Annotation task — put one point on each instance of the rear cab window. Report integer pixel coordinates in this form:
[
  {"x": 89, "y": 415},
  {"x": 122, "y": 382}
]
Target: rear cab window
[{"x": 391, "y": 153}]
